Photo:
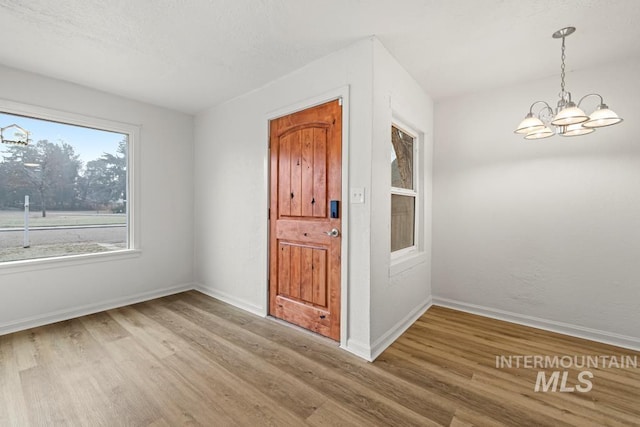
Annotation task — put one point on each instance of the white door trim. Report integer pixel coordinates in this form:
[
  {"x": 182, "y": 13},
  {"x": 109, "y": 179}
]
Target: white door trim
[{"x": 338, "y": 93}]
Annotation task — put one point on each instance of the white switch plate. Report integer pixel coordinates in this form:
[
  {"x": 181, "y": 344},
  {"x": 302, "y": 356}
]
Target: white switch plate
[{"x": 357, "y": 195}]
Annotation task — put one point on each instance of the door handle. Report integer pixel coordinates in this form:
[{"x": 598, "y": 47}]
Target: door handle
[{"x": 333, "y": 233}]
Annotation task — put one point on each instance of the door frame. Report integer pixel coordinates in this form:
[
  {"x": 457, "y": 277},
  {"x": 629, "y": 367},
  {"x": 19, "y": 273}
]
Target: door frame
[{"x": 338, "y": 93}]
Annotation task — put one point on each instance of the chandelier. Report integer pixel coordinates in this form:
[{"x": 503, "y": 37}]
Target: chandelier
[
  {"x": 568, "y": 119},
  {"x": 21, "y": 137}
]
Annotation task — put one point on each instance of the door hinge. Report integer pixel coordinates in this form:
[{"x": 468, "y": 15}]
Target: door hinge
[
  {"x": 269, "y": 213},
  {"x": 340, "y": 102}
]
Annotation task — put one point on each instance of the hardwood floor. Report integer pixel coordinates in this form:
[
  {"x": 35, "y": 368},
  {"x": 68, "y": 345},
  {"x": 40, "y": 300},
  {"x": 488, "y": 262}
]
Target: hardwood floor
[{"x": 189, "y": 359}]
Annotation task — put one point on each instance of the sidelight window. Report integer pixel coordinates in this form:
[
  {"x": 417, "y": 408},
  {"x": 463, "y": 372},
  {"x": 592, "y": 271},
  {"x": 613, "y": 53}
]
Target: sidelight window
[{"x": 404, "y": 191}]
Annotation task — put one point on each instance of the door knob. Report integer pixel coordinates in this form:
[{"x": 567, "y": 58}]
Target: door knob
[{"x": 333, "y": 233}]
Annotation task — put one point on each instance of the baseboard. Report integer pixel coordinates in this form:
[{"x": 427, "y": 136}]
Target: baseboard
[
  {"x": 60, "y": 315},
  {"x": 398, "y": 329},
  {"x": 230, "y": 299},
  {"x": 358, "y": 349},
  {"x": 604, "y": 337}
]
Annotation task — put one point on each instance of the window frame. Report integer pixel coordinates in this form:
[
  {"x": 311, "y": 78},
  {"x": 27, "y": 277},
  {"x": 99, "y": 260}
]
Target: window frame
[
  {"x": 133, "y": 141},
  {"x": 409, "y": 251}
]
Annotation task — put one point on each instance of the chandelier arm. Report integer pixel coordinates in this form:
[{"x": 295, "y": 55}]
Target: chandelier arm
[
  {"x": 591, "y": 94},
  {"x": 546, "y": 107},
  {"x": 540, "y": 102}
]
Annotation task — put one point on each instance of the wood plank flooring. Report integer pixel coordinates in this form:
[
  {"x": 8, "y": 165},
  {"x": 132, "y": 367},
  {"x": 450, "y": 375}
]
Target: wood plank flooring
[{"x": 189, "y": 359}]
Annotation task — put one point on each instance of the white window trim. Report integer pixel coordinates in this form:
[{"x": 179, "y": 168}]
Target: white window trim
[
  {"x": 406, "y": 258},
  {"x": 133, "y": 173}
]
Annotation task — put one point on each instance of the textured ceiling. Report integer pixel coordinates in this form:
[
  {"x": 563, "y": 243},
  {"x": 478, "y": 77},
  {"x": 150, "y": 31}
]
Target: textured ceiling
[{"x": 191, "y": 54}]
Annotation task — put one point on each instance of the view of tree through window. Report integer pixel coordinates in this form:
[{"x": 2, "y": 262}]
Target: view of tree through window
[{"x": 64, "y": 193}]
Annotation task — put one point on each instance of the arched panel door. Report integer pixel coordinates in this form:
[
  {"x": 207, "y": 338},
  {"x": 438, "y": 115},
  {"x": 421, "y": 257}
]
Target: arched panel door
[{"x": 305, "y": 218}]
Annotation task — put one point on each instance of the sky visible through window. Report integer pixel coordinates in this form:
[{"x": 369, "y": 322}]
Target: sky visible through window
[{"x": 88, "y": 143}]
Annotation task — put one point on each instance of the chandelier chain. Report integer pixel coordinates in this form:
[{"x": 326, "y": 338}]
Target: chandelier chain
[{"x": 562, "y": 73}]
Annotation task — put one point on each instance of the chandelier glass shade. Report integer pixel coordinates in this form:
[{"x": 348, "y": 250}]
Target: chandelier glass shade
[{"x": 568, "y": 118}]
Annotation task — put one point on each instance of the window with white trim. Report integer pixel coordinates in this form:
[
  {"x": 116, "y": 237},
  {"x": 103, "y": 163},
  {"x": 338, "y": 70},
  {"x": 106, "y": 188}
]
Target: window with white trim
[
  {"x": 65, "y": 186},
  {"x": 404, "y": 190}
]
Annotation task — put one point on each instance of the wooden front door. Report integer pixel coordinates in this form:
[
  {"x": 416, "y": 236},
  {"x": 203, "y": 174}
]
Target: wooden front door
[{"x": 305, "y": 218}]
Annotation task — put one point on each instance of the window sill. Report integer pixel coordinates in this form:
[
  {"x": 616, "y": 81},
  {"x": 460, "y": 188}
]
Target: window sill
[
  {"x": 406, "y": 262},
  {"x": 12, "y": 267}
]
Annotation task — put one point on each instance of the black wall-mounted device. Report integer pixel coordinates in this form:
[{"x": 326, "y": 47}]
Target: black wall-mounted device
[{"x": 335, "y": 209}]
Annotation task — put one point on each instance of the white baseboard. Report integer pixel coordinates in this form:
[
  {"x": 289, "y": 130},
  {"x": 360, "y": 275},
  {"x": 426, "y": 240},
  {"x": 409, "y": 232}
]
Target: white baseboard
[
  {"x": 604, "y": 337},
  {"x": 358, "y": 349},
  {"x": 230, "y": 299},
  {"x": 398, "y": 329},
  {"x": 60, "y": 315}
]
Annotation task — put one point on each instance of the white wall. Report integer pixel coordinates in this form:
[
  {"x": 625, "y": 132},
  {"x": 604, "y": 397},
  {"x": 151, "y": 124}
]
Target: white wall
[
  {"x": 36, "y": 295},
  {"x": 549, "y": 230},
  {"x": 231, "y": 191},
  {"x": 231, "y": 185},
  {"x": 225, "y": 177},
  {"x": 400, "y": 293}
]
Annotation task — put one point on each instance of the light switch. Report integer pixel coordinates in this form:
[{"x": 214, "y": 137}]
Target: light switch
[{"x": 357, "y": 195}]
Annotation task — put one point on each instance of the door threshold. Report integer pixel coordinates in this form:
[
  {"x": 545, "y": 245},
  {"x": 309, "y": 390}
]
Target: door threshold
[{"x": 319, "y": 337}]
